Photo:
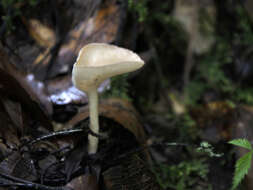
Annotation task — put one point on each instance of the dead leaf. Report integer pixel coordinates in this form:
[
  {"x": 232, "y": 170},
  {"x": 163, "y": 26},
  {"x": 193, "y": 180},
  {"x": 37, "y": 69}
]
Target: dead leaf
[
  {"x": 104, "y": 26},
  {"x": 18, "y": 166},
  {"x": 131, "y": 173},
  {"x": 8, "y": 164},
  {"x": 118, "y": 110},
  {"x": 8, "y": 131},
  {"x": 87, "y": 182},
  {"x": 14, "y": 111},
  {"x": 4, "y": 150},
  {"x": 214, "y": 120},
  {"x": 73, "y": 160},
  {"x": 41, "y": 33},
  {"x": 24, "y": 89}
]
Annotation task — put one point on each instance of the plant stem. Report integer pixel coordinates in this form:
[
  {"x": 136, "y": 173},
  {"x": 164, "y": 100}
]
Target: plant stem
[{"x": 94, "y": 124}]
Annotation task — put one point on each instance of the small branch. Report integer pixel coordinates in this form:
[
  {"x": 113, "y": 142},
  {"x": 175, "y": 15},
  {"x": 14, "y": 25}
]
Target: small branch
[
  {"x": 54, "y": 134},
  {"x": 63, "y": 133},
  {"x": 28, "y": 184}
]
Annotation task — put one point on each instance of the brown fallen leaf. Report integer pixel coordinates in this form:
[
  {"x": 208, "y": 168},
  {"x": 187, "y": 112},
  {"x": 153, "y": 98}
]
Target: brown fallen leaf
[
  {"x": 8, "y": 132},
  {"x": 4, "y": 150},
  {"x": 131, "y": 174},
  {"x": 41, "y": 33},
  {"x": 104, "y": 26},
  {"x": 24, "y": 89},
  {"x": 87, "y": 182},
  {"x": 19, "y": 166},
  {"x": 118, "y": 110},
  {"x": 214, "y": 120},
  {"x": 132, "y": 171},
  {"x": 8, "y": 164},
  {"x": 14, "y": 111}
]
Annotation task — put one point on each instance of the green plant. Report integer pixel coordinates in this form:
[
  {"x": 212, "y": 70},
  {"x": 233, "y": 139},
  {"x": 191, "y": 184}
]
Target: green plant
[
  {"x": 205, "y": 147},
  {"x": 8, "y": 3},
  {"x": 12, "y": 9},
  {"x": 242, "y": 164},
  {"x": 140, "y": 8},
  {"x": 246, "y": 35},
  {"x": 183, "y": 176},
  {"x": 118, "y": 87},
  {"x": 187, "y": 128},
  {"x": 210, "y": 73},
  {"x": 244, "y": 95},
  {"x": 212, "y": 69}
]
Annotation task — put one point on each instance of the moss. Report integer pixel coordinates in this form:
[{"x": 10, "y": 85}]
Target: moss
[
  {"x": 11, "y": 9},
  {"x": 139, "y": 8},
  {"x": 118, "y": 88},
  {"x": 212, "y": 69},
  {"x": 185, "y": 175}
]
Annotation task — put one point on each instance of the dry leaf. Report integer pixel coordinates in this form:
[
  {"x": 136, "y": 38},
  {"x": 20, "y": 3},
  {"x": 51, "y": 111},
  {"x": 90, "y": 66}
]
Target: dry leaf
[
  {"x": 85, "y": 182},
  {"x": 18, "y": 166},
  {"x": 104, "y": 27},
  {"x": 215, "y": 120},
  {"x": 41, "y": 33},
  {"x": 24, "y": 89},
  {"x": 118, "y": 110}
]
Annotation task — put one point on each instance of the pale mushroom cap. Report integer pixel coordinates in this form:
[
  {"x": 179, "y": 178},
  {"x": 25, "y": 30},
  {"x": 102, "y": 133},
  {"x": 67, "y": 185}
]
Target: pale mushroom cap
[{"x": 98, "y": 61}]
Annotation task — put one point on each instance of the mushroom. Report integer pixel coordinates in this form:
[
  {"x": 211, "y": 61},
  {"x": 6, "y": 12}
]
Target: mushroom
[{"x": 97, "y": 62}]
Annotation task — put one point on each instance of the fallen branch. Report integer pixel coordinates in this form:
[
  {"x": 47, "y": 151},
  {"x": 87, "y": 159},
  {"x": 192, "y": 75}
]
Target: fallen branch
[{"x": 18, "y": 182}]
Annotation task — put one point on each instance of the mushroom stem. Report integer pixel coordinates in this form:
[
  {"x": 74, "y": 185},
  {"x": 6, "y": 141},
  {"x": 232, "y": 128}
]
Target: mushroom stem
[{"x": 94, "y": 124}]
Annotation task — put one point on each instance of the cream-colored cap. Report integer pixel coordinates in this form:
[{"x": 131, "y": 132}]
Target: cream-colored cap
[{"x": 98, "y": 61}]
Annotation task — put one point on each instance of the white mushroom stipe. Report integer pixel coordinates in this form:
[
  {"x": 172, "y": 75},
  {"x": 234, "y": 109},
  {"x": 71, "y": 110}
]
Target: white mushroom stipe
[
  {"x": 94, "y": 123},
  {"x": 97, "y": 62}
]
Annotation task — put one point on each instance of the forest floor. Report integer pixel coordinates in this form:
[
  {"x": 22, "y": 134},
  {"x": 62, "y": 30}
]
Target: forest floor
[{"x": 165, "y": 126}]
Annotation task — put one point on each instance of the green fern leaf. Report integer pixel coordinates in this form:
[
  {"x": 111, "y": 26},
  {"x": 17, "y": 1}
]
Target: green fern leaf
[
  {"x": 242, "y": 143},
  {"x": 241, "y": 169}
]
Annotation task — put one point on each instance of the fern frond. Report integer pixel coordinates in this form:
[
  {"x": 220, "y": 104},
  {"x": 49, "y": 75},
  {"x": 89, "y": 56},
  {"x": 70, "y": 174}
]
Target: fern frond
[
  {"x": 242, "y": 143},
  {"x": 241, "y": 169}
]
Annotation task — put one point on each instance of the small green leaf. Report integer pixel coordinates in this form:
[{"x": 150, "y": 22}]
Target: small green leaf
[
  {"x": 242, "y": 143},
  {"x": 241, "y": 169}
]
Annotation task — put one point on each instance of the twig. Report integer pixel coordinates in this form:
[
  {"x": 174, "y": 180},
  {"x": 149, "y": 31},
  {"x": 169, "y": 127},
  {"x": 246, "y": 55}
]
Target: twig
[
  {"x": 28, "y": 184},
  {"x": 54, "y": 134},
  {"x": 63, "y": 133}
]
